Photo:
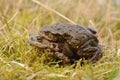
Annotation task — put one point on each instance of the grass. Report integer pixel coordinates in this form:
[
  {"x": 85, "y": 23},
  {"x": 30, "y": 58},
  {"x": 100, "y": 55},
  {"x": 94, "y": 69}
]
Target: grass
[{"x": 20, "y": 61}]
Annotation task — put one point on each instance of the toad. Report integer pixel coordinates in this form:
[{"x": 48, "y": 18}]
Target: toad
[{"x": 68, "y": 42}]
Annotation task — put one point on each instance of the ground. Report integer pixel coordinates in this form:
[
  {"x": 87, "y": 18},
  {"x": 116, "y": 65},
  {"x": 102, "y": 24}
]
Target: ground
[{"x": 20, "y": 61}]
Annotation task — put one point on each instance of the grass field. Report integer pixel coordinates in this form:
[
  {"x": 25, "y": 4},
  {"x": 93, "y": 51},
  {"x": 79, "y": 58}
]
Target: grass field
[{"x": 20, "y": 61}]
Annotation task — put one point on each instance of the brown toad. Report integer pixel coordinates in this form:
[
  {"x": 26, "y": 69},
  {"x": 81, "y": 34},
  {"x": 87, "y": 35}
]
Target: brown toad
[{"x": 68, "y": 42}]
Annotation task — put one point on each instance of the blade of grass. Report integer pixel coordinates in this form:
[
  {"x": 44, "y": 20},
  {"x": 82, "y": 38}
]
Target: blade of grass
[
  {"x": 52, "y": 10},
  {"x": 9, "y": 20}
]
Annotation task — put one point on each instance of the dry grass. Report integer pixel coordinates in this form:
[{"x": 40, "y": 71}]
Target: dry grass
[{"x": 19, "y": 60}]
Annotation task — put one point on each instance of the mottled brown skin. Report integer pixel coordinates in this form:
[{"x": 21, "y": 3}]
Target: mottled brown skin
[{"x": 68, "y": 42}]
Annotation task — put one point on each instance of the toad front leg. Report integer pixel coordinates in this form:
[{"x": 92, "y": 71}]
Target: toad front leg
[
  {"x": 60, "y": 56},
  {"x": 61, "y": 51}
]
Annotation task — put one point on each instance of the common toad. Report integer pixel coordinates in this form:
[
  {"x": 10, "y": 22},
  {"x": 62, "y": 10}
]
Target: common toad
[{"x": 68, "y": 42}]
